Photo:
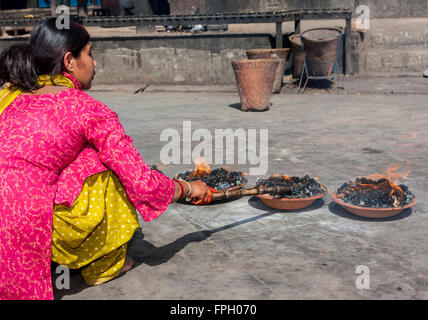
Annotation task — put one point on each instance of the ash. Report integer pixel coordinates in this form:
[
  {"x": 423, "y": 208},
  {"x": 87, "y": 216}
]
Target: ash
[
  {"x": 365, "y": 192},
  {"x": 305, "y": 187},
  {"x": 219, "y": 178}
]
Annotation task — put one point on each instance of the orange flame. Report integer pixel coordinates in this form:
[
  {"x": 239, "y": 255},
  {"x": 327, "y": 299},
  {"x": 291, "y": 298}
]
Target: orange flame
[
  {"x": 392, "y": 177},
  {"x": 277, "y": 175},
  {"x": 390, "y": 174},
  {"x": 201, "y": 167}
]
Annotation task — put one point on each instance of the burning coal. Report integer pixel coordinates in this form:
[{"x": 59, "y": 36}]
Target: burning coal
[
  {"x": 303, "y": 187},
  {"x": 381, "y": 193},
  {"x": 218, "y": 178},
  {"x": 377, "y": 190}
]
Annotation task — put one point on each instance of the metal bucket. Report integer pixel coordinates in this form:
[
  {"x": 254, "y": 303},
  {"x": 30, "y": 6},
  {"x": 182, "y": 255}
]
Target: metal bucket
[
  {"x": 297, "y": 54},
  {"x": 320, "y": 47}
]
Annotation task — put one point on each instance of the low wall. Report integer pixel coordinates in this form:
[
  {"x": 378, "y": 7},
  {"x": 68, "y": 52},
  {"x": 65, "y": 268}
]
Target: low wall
[
  {"x": 204, "y": 59},
  {"x": 173, "y": 60}
]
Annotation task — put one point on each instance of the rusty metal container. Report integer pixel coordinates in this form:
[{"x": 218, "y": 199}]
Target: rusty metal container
[
  {"x": 297, "y": 54},
  {"x": 280, "y": 54},
  {"x": 320, "y": 47},
  {"x": 255, "y": 80}
]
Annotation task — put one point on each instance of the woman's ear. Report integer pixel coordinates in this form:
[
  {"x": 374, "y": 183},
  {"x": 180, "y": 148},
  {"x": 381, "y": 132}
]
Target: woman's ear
[{"x": 68, "y": 62}]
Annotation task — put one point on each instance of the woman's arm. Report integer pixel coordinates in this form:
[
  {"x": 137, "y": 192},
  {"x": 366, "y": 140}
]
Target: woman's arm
[
  {"x": 198, "y": 191},
  {"x": 148, "y": 190}
]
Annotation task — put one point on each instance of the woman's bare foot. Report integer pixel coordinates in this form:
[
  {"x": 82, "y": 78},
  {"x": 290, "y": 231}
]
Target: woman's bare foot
[{"x": 129, "y": 263}]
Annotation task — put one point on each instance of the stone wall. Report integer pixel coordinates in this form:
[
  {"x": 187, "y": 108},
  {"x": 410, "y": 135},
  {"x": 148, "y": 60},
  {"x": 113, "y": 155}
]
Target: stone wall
[
  {"x": 378, "y": 8},
  {"x": 173, "y": 59},
  {"x": 166, "y": 60},
  {"x": 390, "y": 47},
  {"x": 396, "y": 8}
]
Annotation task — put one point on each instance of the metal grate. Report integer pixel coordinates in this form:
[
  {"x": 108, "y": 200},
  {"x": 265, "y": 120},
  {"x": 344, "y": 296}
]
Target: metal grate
[{"x": 176, "y": 20}]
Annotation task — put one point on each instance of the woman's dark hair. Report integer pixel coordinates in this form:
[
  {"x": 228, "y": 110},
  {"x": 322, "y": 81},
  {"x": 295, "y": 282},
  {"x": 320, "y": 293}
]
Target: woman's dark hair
[
  {"x": 17, "y": 68},
  {"x": 21, "y": 64}
]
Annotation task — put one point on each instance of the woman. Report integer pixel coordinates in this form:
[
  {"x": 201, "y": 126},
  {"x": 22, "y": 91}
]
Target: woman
[{"x": 71, "y": 181}]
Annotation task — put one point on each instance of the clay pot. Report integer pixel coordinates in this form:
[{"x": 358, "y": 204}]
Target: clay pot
[
  {"x": 290, "y": 203},
  {"x": 320, "y": 45},
  {"x": 371, "y": 212},
  {"x": 255, "y": 79},
  {"x": 280, "y": 54},
  {"x": 297, "y": 55}
]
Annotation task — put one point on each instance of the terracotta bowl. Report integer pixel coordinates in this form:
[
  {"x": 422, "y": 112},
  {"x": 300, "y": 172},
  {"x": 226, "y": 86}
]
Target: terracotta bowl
[
  {"x": 371, "y": 212},
  {"x": 290, "y": 203}
]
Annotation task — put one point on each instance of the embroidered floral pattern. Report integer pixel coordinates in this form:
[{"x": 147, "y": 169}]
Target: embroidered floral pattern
[{"x": 50, "y": 144}]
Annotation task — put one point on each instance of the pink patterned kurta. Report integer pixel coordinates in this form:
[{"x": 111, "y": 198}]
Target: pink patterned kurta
[{"x": 49, "y": 144}]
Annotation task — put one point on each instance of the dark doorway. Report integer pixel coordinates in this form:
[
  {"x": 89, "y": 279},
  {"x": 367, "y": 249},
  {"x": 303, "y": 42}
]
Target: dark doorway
[
  {"x": 13, "y": 4},
  {"x": 160, "y": 7}
]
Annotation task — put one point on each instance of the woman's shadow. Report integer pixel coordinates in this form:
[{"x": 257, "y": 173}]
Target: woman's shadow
[
  {"x": 144, "y": 252},
  {"x": 140, "y": 250}
]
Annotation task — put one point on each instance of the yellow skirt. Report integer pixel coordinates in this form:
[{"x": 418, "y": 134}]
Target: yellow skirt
[{"x": 93, "y": 233}]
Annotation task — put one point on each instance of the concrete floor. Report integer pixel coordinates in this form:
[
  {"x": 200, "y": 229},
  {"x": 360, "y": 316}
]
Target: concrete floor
[{"x": 245, "y": 250}]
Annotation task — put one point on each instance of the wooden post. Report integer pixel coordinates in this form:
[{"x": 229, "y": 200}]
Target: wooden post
[
  {"x": 82, "y": 6},
  {"x": 347, "y": 55},
  {"x": 54, "y": 4},
  {"x": 146, "y": 8},
  {"x": 297, "y": 26},
  {"x": 143, "y": 8},
  {"x": 279, "y": 42}
]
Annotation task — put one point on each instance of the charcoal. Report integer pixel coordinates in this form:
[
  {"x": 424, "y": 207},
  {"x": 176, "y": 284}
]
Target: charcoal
[
  {"x": 218, "y": 178},
  {"x": 408, "y": 195},
  {"x": 380, "y": 193},
  {"x": 305, "y": 187}
]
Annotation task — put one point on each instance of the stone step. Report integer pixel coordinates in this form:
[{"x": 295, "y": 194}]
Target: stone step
[
  {"x": 394, "y": 47},
  {"x": 397, "y": 38},
  {"x": 404, "y": 61},
  {"x": 393, "y": 33}
]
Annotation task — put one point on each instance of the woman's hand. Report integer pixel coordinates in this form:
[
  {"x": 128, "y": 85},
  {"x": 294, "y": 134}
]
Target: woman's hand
[{"x": 201, "y": 193}]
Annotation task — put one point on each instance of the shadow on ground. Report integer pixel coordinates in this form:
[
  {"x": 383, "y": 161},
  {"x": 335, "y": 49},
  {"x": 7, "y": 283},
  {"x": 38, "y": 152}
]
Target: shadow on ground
[
  {"x": 315, "y": 86},
  {"x": 144, "y": 252},
  {"x": 238, "y": 106}
]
